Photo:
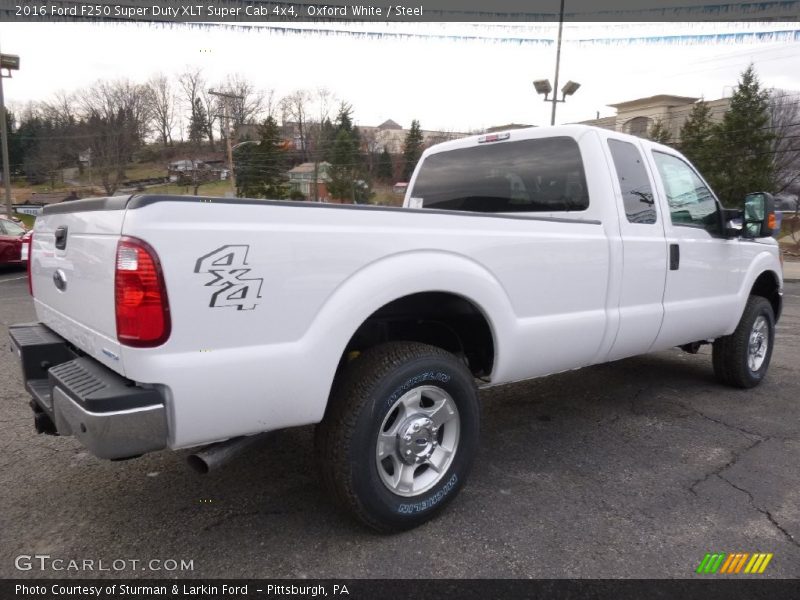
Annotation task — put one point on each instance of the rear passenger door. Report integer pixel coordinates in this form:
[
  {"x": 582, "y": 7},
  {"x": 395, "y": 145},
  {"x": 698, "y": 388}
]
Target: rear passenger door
[
  {"x": 701, "y": 290},
  {"x": 644, "y": 270}
]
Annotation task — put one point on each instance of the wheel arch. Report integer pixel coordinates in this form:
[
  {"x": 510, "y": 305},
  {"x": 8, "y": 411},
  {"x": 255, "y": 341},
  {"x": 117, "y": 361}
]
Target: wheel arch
[
  {"x": 403, "y": 280},
  {"x": 767, "y": 285},
  {"x": 443, "y": 319}
]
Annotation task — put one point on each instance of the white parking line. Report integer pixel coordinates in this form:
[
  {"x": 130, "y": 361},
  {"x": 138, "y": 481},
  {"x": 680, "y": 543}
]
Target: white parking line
[{"x": 13, "y": 279}]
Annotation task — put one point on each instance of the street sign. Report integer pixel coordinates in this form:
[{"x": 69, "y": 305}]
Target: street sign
[{"x": 9, "y": 61}]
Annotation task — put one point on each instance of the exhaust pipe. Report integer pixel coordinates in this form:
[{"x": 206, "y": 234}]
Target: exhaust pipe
[{"x": 217, "y": 455}]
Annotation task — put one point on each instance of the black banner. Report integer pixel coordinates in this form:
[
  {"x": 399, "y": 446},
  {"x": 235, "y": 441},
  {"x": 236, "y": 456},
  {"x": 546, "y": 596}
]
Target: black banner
[
  {"x": 418, "y": 589},
  {"x": 388, "y": 11}
]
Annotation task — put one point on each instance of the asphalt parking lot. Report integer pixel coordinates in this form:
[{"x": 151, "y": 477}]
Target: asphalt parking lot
[{"x": 632, "y": 469}]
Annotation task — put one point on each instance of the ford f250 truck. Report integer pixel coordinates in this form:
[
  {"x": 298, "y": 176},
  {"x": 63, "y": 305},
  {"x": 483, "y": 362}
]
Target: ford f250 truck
[{"x": 178, "y": 322}]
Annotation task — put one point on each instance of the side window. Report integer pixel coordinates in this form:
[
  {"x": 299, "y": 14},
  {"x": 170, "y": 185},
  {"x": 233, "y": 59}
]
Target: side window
[
  {"x": 691, "y": 203},
  {"x": 539, "y": 175},
  {"x": 637, "y": 195}
]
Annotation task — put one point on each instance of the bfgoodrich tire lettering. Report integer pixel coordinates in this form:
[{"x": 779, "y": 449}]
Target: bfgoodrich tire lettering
[
  {"x": 375, "y": 396},
  {"x": 742, "y": 358}
]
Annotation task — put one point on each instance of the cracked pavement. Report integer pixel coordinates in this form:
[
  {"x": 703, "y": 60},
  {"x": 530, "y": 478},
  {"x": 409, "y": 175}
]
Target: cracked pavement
[{"x": 631, "y": 469}]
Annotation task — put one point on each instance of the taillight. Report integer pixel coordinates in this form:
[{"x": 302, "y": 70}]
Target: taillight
[
  {"x": 29, "y": 252},
  {"x": 140, "y": 296}
]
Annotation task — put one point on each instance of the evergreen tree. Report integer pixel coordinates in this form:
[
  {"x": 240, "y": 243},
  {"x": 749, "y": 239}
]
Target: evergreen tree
[
  {"x": 260, "y": 168},
  {"x": 197, "y": 122},
  {"x": 412, "y": 149},
  {"x": 347, "y": 178},
  {"x": 697, "y": 138},
  {"x": 385, "y": 166},
  {"x": 659, "y": 132},
  {"x": 327, "y": 139},
  {"x": 743, "y": 141}
]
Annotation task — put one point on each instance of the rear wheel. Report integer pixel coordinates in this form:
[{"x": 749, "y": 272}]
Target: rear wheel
[
  {"x": 742, "y": 358},
  {"x": 400, "y": 434}
]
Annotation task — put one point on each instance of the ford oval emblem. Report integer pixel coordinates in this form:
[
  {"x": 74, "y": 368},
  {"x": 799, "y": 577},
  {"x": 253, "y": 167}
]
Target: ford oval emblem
[{"x": 60, "y": 279}]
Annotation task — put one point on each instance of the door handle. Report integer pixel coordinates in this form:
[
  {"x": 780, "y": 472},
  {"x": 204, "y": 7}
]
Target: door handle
[
  {"x": 61, "y": 237},
  {"x": 674, "y": 257}
]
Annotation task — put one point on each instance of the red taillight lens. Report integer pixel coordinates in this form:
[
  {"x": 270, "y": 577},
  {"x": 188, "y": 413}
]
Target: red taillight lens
[
  {"x": 29, "y": 243},
  {"x": 140, "y": 295}
]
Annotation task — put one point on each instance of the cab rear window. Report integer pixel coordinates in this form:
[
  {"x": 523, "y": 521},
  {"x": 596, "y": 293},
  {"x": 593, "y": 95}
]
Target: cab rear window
[{"x": 544, "y": 175}]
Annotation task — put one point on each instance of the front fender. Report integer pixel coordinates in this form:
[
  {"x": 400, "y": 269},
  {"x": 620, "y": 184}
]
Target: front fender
[{"x": 763, "y": 262}]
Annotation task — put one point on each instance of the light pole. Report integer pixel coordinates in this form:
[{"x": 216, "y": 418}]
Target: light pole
[
  {"x": 542, "y": 86},
  {"x": 10, "y": 62}
]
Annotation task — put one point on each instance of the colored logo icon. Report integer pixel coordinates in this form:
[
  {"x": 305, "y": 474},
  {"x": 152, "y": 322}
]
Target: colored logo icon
[{"x": 733, "y": 564}]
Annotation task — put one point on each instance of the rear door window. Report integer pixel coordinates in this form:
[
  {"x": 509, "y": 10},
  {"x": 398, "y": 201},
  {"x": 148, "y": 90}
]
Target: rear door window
[
  {"x": 637, "y": 194},
  {"x": 544, "y": 175}
]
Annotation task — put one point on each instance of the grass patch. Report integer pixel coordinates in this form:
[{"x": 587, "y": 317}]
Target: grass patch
[
  {"x": 214, "y": 189},
  {"x": 145, "y": 171},
  {"x": 29, "y": 220}
]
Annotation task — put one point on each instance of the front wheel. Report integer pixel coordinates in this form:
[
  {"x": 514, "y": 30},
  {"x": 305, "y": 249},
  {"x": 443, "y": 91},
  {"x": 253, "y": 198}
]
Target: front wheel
[
  {"x": 400, "y": 434},
  {"x": 742, "y": 358}
]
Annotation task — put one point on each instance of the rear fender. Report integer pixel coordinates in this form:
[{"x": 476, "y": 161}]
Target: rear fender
[{"x": 394, "y": 277}]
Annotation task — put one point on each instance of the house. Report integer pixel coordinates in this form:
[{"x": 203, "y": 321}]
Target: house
[
  {"x": 391, "y": 137},
  {"x": 301, "y": 179},
  {"x": 45, "y": 198},
  {"x": 85, "y": 158},
  {"x": 185, "y": 170},
  {"x": 638, "y": 116},
  {"x": 400, "y": 187}
]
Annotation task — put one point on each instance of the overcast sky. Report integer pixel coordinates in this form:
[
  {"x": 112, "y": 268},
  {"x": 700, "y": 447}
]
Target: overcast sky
[{"x": 446, "y": 82}]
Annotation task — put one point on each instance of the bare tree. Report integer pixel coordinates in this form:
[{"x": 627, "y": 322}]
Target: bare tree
[
  {"x": 192, "y": 83},
  {"x": 372, "y": 146},
  {"x": 323, "y": 101},
  {"x": 250, "y": 107},
  {"x": 63, "y": 109},
  {"x": 295, "y": 107},
  {"x": 270, "y": 104},
  {"x": 161, "y": 100},
  {"x": 116, "y": 118},
  {"x": 784, "y": 109},
  {"x": 213, "y": 114},
  {"x": 63, "y": 115},
  {"x": 194, "y": 86}
]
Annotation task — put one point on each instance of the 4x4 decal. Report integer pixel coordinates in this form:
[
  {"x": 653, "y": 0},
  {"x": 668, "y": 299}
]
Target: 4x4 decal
[{"x": 228, "y": 265}]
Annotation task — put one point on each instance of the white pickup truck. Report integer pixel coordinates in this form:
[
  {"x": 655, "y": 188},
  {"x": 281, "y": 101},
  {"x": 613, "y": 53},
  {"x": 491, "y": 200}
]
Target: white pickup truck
[{"x": 178, "y": 322}]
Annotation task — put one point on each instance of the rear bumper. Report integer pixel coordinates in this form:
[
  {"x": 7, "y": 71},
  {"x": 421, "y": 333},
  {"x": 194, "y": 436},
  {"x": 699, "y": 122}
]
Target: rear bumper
[{"x": 110, "y": 415}]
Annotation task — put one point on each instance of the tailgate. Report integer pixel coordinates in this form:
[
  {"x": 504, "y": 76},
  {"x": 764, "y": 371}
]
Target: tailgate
[{"x": 72, "y": 269}]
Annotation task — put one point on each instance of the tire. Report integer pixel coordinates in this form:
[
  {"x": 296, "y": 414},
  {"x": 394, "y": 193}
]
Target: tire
[
  {"x": 387, "y": 391},
  {"x": 742, "y": 358}
]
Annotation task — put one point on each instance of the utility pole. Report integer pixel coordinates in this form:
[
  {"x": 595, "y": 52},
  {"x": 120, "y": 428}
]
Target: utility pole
[
  {"x": 226, "y": 98},
  {"x": 9, "y": 62},
  {"x": 558, "y": 63}
]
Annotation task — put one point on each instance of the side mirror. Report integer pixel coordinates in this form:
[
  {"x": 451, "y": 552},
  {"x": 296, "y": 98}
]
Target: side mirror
[
  {"x": 759, "y": 215},
  {"x": 732, "y": 223}
]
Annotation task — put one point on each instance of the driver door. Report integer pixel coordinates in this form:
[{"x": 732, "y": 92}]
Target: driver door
[{"x": 700, "y": 294}]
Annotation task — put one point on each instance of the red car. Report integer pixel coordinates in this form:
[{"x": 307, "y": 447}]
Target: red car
[{"x": 13, "y": 236}]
